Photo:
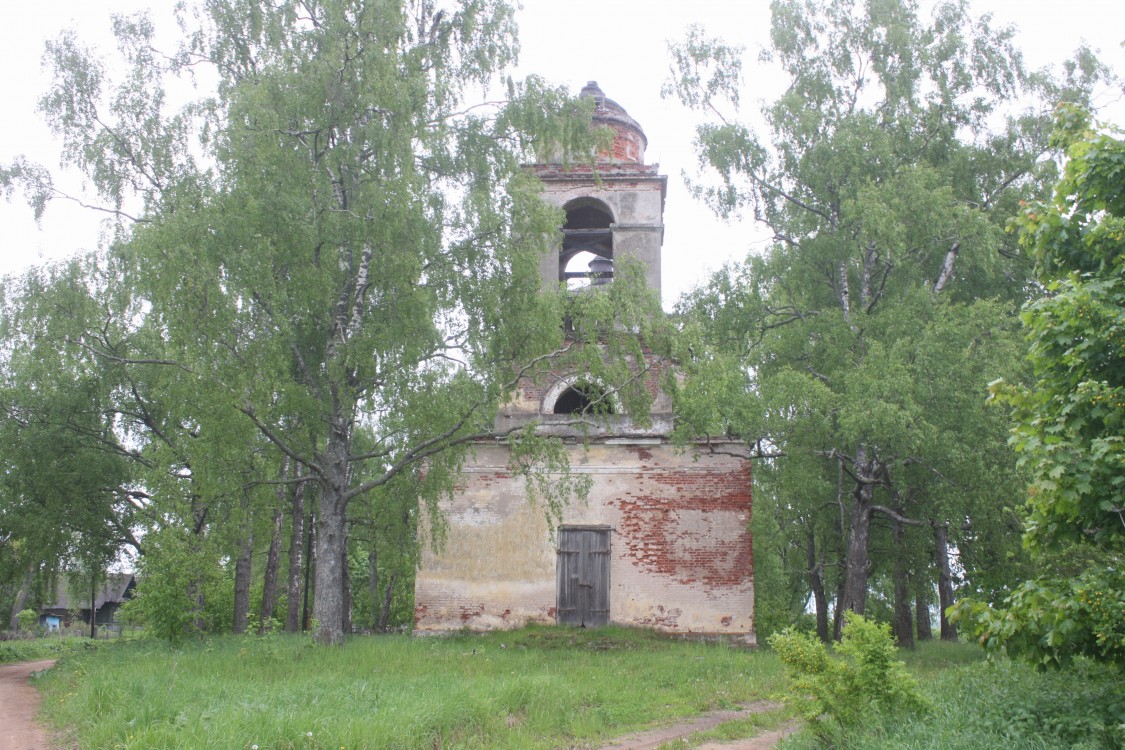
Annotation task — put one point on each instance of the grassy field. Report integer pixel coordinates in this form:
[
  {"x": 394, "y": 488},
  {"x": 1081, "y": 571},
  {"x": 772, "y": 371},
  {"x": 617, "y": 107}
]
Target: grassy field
[
  {"x": 983, "y": 705},
  {"x": 538, "y": 688}
]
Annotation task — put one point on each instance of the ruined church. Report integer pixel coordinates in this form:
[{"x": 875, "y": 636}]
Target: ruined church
[{"x": 663, "y": 539}]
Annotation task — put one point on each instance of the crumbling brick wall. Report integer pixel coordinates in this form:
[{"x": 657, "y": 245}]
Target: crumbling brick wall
[{"x": 681, "y": 551}]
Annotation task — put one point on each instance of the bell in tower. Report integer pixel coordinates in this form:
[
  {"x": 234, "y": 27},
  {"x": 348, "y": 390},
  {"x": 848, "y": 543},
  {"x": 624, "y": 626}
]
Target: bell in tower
[{"x": 612, "y": 215}]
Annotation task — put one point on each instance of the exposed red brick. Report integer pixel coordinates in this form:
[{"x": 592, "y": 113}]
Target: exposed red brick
[
  {"x": 468, "y": 613},
  {"x": 721, "y": 556},
  {"x": 642, "y": 453}
]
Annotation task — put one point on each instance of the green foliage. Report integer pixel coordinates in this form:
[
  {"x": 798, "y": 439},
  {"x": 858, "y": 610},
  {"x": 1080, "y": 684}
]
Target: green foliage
[
  {"x": 63, "y": 467},
  {"x": 855, "y": 350},
  {"x": 172, "y": 599},
  {"x": 838, "y": 693},
  {"x": 27, "y": 619},
  {"x": 780, "y": 593},
  {"x": 350, "y": 280},
  {"x": 1050, "y": 620},
  {"x": 1069, "y": 427}
]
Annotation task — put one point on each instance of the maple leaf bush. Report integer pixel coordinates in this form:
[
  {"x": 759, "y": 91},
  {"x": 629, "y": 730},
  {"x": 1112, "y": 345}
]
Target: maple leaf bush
[{"x": 1069, "y": 426}]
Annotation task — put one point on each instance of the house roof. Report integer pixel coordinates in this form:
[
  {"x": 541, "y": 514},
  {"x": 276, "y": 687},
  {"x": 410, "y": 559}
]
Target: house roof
[{"x": 112, "y": 589}]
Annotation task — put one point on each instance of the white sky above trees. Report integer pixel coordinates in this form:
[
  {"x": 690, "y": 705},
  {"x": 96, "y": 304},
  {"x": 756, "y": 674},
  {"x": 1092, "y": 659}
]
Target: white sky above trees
[{"x": 622, "y": 44}]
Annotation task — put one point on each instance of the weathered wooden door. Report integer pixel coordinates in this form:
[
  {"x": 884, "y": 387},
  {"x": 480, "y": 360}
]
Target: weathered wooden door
[{"x": 583, "y": 576}]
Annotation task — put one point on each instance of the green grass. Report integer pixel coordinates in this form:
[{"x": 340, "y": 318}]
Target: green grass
[
  {"x": 538, "y": 688},
  {"x": 982, "y": 705},
  {"x": 934, "y": 657},
  {"x": 49, "y": 647}
]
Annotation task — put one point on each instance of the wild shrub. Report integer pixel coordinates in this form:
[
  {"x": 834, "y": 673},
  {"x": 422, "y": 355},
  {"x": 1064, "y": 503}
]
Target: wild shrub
[
  {"x": 840, "y": 691},
  {"x": 183, "y": 590},
  {"x": 28, "y": 619}
]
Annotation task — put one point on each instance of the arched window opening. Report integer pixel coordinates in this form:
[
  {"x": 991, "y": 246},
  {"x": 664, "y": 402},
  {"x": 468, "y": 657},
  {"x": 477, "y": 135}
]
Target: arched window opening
[
  {"x": 587, "y": 215},
  {"x": 586, "y": 258},
  {"x": 585, "y": 398}
]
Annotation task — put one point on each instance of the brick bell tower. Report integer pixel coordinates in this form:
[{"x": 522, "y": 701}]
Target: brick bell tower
[
  {"x": 662, "y": 540},
  {"x": 620, "y": 215},
  {"x": 614, "y": 213}
]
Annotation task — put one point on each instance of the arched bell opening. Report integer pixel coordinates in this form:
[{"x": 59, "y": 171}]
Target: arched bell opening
[
  {"x": 586, "y": 258},
  {"x": 585, "y": 397}
]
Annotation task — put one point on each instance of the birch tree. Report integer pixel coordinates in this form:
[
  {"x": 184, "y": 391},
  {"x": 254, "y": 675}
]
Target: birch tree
[
  {"x": 339, "y": 245},
  {"x": 867, "y": 330}
]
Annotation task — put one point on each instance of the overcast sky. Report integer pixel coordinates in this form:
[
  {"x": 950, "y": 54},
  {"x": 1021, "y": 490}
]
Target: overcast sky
[{"x": 622, "y": 44}]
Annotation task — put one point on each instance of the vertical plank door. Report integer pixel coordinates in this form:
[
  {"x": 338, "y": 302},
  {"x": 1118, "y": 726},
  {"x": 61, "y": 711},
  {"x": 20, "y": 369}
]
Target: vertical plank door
[{"x": 583, "y": 576}]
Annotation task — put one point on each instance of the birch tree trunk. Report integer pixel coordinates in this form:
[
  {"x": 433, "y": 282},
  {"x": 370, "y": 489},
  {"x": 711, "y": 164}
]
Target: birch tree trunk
[
  {"x": 385, "y": 612},
  {"x": 373, "y": 583},
  {"x": 310, "y": 568},
  {"x": 838, "y": 612},
  {"x": 859, "y": 535},
  {"x": 945, "y": 581},
  {"x": 328, "y": 592},
  {"x": 922, "y": 597},
  {"x": 904, "y": 625},
  {"x": 346, "y": 583},
  {"x": 93, "y": 606},
  {"x": 816, "y": 583},
  {"x": 243, "y": 569},
  {"x": 296, "y": 561},
  {"x": 329, "y": 602},
  {"x": 273, "y": 564}
]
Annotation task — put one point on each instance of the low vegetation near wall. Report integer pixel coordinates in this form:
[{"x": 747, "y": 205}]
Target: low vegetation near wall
[
  {"x": 535, "y": 688},
  {"x": 34, "y": 649}
]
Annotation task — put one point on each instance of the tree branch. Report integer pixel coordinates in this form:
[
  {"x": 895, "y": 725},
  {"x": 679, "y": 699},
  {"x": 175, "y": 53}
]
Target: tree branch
[
  {"x": 946, "y": 268},
  {"x": 274, "y": 438}
]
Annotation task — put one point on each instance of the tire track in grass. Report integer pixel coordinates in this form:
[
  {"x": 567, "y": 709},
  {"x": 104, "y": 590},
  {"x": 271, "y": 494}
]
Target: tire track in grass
[{"x": 650, "y": 739}]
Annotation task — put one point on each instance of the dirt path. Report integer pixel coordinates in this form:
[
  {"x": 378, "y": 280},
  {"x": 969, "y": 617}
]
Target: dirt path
[
  {"x": 654, "y": 738},
  {"x": 19, "y": 703},
  {"x": 763, "y": 741}
]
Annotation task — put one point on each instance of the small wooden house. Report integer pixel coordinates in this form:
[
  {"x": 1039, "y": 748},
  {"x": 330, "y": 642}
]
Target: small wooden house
[{"x": 71, "y": 604}]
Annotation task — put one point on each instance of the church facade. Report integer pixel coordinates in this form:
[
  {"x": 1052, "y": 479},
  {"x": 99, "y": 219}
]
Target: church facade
[{"x": 662, "y": 540}]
